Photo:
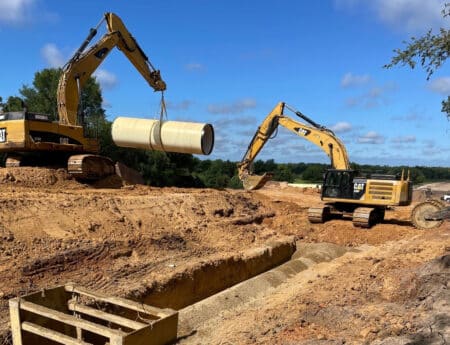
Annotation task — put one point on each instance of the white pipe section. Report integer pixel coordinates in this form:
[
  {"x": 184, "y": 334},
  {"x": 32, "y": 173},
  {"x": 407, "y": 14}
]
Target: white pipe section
[{"x": 170, "y": 136}]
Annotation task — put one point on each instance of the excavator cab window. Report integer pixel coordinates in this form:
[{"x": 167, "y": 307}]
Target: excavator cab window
[{"x": 338, "y": 184}]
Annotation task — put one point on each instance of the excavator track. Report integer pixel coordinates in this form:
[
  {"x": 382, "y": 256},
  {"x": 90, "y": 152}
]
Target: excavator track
[
  {"x": 90, "y": 167},
  {"x": 13, "y": 161},
  {"x": 422, "y": 215},
  {"x": 364, "y": 217},
  {"x": 318, "y": 214}
]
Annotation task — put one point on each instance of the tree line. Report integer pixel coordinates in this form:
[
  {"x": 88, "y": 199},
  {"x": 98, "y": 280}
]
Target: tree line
[
  {"x": 223, "y": 174},
  {"x": 175, "y": 169}
]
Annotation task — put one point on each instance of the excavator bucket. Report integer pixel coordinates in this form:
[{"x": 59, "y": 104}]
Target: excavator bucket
[{"x": 252, "y": 182}]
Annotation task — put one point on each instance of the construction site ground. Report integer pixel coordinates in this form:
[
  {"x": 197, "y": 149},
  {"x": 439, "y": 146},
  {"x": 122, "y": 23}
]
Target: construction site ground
[{"x": 391, "y": 285}]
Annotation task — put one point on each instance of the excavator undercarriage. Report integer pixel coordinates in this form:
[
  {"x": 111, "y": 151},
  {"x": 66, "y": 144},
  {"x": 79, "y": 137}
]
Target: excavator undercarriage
[
  {"x": 31, "y": 139},
  {"x": 81, "y": 166},
  {"x": 90, "y": 167},
  {"x": 363, "y": 217}
]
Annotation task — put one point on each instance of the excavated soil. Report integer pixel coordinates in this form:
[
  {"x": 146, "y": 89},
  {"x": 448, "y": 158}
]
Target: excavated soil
[{"x": 130, "y": 240}]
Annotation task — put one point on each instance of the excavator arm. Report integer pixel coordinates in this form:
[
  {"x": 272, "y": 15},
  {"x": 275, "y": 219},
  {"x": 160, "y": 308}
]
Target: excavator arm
[
  {"x": 316, "y": 134},
  {"x": 84, "y": 63}
]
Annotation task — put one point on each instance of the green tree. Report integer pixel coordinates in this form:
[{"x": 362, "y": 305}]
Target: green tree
[
  {"x": 41, "y": 97},
  {"x": 13, "y": 103},
  {"x": 283, "y": 173},
  {"x": 260, "y": 167},
  {"x": 91, "y": 105},
  {"x": 313, "y": 173},
  {"x": 235, "y": 183},
  {"x": 417, "y": 175},
  {"x": 430, "y": 50}
]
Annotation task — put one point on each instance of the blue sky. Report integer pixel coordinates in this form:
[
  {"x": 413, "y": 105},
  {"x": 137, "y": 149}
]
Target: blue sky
[{"x": 230, "y": 62}]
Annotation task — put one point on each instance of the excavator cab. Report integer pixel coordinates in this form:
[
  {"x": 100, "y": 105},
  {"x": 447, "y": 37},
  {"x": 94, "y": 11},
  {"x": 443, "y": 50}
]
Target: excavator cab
[{"x": 338, "y": 184}]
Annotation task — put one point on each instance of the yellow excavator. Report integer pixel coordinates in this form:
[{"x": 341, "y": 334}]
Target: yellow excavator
[
  {"x": 25, "y": 134},
  {"x": 344, "y": 191}
]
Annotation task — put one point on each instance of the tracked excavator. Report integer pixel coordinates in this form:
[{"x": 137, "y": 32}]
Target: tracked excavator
[
  {"x": 25, "y": 134},
  {"x": 344, "y": 191}
]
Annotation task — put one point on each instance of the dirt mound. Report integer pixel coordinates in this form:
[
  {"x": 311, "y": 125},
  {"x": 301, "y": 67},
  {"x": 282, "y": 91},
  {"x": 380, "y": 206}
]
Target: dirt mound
[
  {"x": 37, "y": 177},
  {"x": 115, "y": 238},
  {"x": 437, "y": 186}
]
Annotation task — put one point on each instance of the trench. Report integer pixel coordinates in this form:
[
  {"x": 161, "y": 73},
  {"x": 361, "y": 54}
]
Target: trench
[
  {"x": 208, "y": 278},
  {"x": 192, "y": 317},
  {"x": 202, "y": 292}
]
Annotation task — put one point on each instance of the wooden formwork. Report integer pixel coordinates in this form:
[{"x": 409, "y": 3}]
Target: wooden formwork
[{"x": 70, "y": 314}]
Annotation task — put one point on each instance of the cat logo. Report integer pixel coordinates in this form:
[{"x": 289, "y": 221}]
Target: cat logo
[
  {"x": 2, "y": 135},
  {"x": 302, "y": 131},
  {"x": 358, "y": 187}
]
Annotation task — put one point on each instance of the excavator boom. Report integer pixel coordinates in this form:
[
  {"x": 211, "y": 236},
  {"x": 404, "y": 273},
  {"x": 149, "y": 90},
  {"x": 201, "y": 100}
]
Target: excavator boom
[
  {"x": 84, "y": 63},
  {"x": 315, "y": 133}
]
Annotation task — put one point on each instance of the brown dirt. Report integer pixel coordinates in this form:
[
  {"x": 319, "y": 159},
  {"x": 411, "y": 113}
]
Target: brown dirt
[{"x": 122, "y": 239}]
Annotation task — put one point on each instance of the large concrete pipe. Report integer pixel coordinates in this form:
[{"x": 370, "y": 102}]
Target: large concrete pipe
[{"x": 170, "y": 136}]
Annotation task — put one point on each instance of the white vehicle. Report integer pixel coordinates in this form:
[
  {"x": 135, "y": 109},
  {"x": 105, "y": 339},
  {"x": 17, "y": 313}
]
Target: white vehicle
[{"x": 446, "y": 197}]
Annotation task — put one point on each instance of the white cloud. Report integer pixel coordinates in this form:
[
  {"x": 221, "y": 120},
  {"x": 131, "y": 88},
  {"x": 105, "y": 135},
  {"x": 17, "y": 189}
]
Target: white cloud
[
  {"x": 341, "y": 127},
  {"x": 371, "y": 138},
  {"x": 106, "y": 79},
  {"x": 414, "y": 115},
  {"x": 350, "y": 79},
  {"x": 429, "y": 144},
  {"x": 194, "y": 66},
  {"x": 404, "y": 139},
  {"x": 431, "y": 151},
  {"x": 183, "y": 105},
  {"x": 15, "y": 11},
  {"x": 406, "y": 15},
  {"x": 373, "y": 97},
  {"x": 232, "y": 108},
  {"x": 227, "y": 122},
  {"x": 52, "y": 55},
  {"x": 55, "y": 59},
  {"x": 440, "y": 85},
  {"x": 106, "y": 104}
]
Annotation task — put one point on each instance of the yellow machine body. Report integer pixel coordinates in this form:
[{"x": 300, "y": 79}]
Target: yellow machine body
[{"x": 345, "y": 193}]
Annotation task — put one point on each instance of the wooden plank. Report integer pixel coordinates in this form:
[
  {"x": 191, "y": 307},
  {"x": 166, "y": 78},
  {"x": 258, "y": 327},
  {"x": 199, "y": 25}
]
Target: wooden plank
[
  {"x": 122, "y": 302},
  {"x": 70, "y": 320},
  {"x": 51, "y": 334},
  {"x": 116, "y": 341},
  {"x": 14, "y": 314},
  {"x": 119, "y": 320}
]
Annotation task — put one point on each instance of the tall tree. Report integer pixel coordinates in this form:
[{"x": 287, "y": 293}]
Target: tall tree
[
  {"x": 13, "y": 103},
  {"x": 430, "y": 50},
  {"x": 41, "y": 96}
]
